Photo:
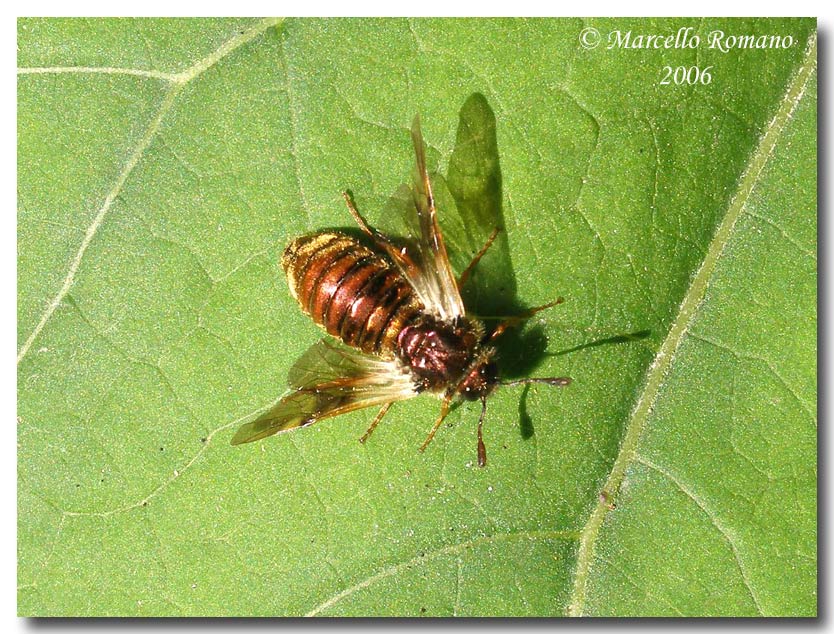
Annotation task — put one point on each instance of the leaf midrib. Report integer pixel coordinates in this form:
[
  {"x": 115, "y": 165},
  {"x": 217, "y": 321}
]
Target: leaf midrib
[
  {"x": 176, "y": 83},
  {"x": 692, "y": 300}
]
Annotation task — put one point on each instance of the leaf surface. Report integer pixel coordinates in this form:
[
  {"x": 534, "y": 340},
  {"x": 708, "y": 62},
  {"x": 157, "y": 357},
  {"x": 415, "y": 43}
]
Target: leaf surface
[{"x": 163, "y": 165}]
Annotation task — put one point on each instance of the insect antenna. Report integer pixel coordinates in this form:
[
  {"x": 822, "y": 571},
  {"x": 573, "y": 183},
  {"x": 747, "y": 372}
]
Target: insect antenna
[{"x": 481, "y": 445}]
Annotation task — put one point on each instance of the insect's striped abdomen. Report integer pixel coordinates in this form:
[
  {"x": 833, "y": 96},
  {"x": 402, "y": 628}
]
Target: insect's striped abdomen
[{"x": 349, "y": 290}]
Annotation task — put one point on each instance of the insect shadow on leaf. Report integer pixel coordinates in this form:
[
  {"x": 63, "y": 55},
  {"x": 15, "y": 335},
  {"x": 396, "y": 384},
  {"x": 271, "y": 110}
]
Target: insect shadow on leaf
[
  {"x": 475, "y": 185},
  {"x": 631, "y": 336},
  {"x": 535, "y": 338}
]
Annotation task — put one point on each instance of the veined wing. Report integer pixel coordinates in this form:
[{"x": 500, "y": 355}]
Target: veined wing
[
  {"x": 328, "y": 380},
  {"x": 419, "y": 251},
  {"x": 436, "y": 269}
]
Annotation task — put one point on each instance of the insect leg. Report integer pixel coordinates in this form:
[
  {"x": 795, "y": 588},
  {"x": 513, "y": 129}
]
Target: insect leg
[
  {"x": 357, "y": 217},
  {"x": 375, "y": 422},
  {"x": 513, "y": 321},
  {"x": 444, "y": 409},
  {"x": 481, "y": 446},
  {"x": 400, "y": 255},
  {"x": 465, "y": 275}
]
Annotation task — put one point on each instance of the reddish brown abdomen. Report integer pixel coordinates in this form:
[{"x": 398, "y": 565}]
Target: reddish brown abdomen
[{"x": 350, "y": 291}]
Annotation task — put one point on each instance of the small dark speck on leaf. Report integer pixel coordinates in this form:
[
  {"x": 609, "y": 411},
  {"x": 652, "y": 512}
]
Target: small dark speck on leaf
[
  {"x": 203, "y": 439},
  {"x": 422, "y": 610},
  {"x": 162, "y": 448},
  {"x": 605, "y": 498}
]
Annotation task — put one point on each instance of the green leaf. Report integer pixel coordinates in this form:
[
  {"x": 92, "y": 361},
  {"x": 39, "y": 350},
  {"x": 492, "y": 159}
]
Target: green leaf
[{"x": 163, "y": 165}]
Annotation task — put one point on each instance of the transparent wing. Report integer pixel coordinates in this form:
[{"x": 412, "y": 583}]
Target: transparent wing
[
  {"x": 328, "y": 380},
  {"x": 331, "y": 363},
  {"x": 436, "y": 267},
  {"x": 419, "y": 251}
]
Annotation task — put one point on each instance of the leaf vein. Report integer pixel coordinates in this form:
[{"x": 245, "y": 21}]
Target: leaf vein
[
  {"x": 101, "y": 70},
  {"x": 174, "y": 476},
  {"x": 132, "y": 161},
  {"x": 680, "y": 326},
  {"x": 765, "y": 362},
  {"x": 726, "y": 534},
  {"x": 452, "y": 549},
  {"x": 806, "y": 252}
]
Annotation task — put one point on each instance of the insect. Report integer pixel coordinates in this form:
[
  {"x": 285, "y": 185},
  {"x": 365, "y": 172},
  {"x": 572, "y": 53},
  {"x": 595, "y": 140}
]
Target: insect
[{"x": 398, "y": 324}]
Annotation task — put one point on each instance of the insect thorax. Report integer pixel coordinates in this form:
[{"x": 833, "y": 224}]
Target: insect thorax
[{"x": 438, "y": 352}]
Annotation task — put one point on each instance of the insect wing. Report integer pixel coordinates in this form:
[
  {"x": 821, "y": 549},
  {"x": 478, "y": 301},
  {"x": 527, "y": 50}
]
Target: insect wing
[
  {"x": 329, "y": 363},
  {"x": 328, "y": 380},
  {"x": 420, "y": 252},
  {"x": 436, "y": 268}
]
